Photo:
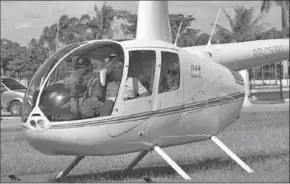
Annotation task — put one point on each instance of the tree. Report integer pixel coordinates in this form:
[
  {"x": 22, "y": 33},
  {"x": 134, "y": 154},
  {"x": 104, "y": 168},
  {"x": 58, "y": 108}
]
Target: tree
[
  {"x": 103, "y": 21},
  {"x": 242, "y": 26},
  {"x": 17, "y": 64},
  {"x": 9, "y": 50},
  {"x": 85, "y": 21},
  {"x": 129, "y": 28},
  {"x": 202, "y": 39},
  {"x": 187, "y": 35},
  {"x": 266, "y": 6},
  {"x": 273, "y": 33},
  {"x": 47, "y": 39},
  {"x": 37, "y": 55},
  {"x": 70, "y": 30}
]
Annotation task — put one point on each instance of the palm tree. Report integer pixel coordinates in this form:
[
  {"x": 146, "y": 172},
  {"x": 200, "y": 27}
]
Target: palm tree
[
  {"x": 85, "y": 21},
  {"x": 102, "y": 23},
  {"x": 242, "y": 26},
  {"x": 67, "y": 30},
  {"x": 266, "y": 6},
  {"x": 202, "y": 39},
  {"x": 130, "y": 27},
  {"x": 187, "y": 35},
  {"x": 74, "y": 31},
  {"x": 96, "y": 27}
]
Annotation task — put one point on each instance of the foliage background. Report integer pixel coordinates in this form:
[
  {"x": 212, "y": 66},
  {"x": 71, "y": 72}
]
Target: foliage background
[{"x": 22, "y": 62}]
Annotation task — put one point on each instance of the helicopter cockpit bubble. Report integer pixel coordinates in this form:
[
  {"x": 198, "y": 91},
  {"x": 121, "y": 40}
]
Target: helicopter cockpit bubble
[
  {"x": 76, "y": 86},
  {"x": 37, "y": 80}
]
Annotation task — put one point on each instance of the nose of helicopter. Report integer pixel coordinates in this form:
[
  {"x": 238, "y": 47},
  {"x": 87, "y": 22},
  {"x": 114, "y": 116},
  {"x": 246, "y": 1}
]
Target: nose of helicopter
[{"x": 66, "y": 141}]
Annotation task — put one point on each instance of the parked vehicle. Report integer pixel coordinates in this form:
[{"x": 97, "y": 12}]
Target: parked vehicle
[{"x": 12, "y": 93}]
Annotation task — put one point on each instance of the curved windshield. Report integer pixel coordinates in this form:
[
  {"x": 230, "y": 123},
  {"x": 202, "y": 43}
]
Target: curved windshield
[
  {"x": 12, "y": 84},
  {"x": 84, "y": 84},
  {"x": 33, "y": 88}
]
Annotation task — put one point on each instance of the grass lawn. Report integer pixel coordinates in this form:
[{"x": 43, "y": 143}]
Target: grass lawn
[{"x": 261, "y": 139}]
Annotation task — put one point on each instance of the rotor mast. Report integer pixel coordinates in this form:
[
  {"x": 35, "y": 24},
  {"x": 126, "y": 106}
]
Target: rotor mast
[{"x": 153, "y": 21}]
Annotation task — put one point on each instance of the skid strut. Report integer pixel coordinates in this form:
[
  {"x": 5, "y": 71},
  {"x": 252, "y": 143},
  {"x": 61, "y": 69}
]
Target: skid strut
[
  {"x": 136, "y": 161},
  {"x": 164, "y": 156},
  {"x": 171, "y": 163},
  {"x": 64, "y": 172},
  {"x": 231, "y": 154}
]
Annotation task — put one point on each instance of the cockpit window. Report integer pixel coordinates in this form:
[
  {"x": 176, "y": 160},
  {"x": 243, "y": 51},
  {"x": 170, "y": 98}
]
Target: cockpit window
[
  {"x": 85, "y": 84},
  {"x": 37, "y": 80},
  {"x": 170, "y": 72},
  {"x": 140, "y": 77}
]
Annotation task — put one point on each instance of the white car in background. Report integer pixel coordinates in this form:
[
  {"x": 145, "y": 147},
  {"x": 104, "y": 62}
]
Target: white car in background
[{"x": 12, "y": 93}]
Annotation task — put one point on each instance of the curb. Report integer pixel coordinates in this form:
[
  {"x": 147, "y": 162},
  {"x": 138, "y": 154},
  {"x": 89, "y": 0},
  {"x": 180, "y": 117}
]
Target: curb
[
  {"x": 285, "y": 100},
  {"x": 264, "y": 102}
]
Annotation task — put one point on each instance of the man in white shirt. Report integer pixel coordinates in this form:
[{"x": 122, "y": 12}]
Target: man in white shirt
[{"x": 133, "y": 87}]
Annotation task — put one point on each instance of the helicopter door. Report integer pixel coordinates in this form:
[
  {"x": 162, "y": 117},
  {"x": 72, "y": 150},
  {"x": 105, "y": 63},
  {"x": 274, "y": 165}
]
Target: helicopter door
[
  {"x": 134, "y": 104},
  {"x": 169, "y": 97}
]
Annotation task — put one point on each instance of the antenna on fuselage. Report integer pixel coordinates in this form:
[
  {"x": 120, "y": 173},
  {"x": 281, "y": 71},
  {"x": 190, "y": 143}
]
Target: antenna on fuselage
[
  {"x": 209, "y": 41},
  {"x": 178, "y": 33}
]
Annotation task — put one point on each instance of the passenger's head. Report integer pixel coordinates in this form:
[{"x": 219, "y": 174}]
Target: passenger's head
[
  {"x": 115, "y": 68},
  {"x": 81, "y": 62},
  {"x": 135, "y": 69},
  {"x": 115, "y": 72},
  {"x": 173, "y": 69},
  {"x": 82, "y": 69}
]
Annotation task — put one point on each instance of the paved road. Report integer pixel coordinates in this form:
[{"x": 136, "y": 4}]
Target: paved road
[{"x": 10, "y": 124}]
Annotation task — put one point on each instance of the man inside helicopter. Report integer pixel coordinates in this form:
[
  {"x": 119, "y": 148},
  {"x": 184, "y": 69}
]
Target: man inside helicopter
[
  {"x": 82, "y": 95},
  {"x": 87, "y": 83},
  {"x": 133, "y": 87},
  {"x": 88, "y": 92}
]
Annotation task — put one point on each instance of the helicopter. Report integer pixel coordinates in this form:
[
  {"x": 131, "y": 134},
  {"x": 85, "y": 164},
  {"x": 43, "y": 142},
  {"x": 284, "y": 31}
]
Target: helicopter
[{"x": 107, "y": 97}]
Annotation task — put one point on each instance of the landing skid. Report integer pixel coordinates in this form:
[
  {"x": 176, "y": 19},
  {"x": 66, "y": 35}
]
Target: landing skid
[{"x": 173, "y": 164}]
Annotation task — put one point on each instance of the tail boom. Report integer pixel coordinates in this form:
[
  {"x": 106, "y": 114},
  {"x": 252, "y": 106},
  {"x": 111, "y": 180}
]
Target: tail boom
[{"x": 243, "y": 55}]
